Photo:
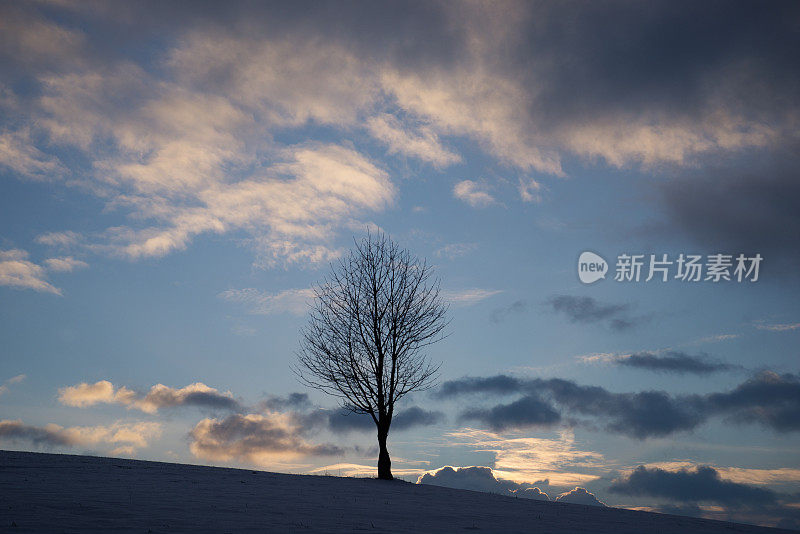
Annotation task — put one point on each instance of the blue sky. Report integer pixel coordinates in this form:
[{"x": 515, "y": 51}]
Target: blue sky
[{"x": 174, "y": 178}]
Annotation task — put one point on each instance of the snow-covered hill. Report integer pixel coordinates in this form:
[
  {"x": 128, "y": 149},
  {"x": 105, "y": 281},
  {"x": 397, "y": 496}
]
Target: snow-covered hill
[{"x": 63, "y": 493}]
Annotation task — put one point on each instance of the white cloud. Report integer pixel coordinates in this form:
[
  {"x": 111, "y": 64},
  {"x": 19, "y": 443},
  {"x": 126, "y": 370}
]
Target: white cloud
[
  {"x": 160, "y": 396},
  {"x": 525, "y": 459},
  {"x": 189, "y": 145},
  {"x": 468, "y": 297},
  {"x": 530, "y": 190},
  {"x": 60, "y": 239},
  {"x": 580, "y": 496},
  {"x": 452, "y": 251},
  {"x": 787, "y": 327},
  {"x": 18, "y": 272},
  {"x": 64, "y": 264},
  {"x": 84, "y": 395},
  {"x": 423, "y": 143},
  {"x": 294, "y": 301},
  {"x": 13, "y": 380},
  {"x": 18, "y": 153},
  {"x": 476, "y": 194}
]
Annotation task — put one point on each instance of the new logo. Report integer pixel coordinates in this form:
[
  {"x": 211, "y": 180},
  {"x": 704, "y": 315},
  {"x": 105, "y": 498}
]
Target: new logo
[{"x": 591, "y": 267}]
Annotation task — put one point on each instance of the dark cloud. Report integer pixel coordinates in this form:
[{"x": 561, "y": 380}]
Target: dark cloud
[
  {"x": 168, "y": 398},
  {"x": 248, "y": 437},
  {"x": 342, "y": 420},
  {"x": 17, "y": 431},
  {"x": 673, "y": 362},
  {"x": 641, "y": 415},
  {"x": 291, "y": 401},
  {"x": 517, "y": 307},
  {"x": 496, "y": 385},
  {"x": 702, "y": 484},
  {"x": 590, "y": 310},
  {"x": 479, "y": 478},
  {"x": 580, "y": 496},
  {"x": 416, "y": 416},
  {"x": 768, "y": 399},
  {"x": 735, "y": 210},
  {"x": 529, "y": 411}
]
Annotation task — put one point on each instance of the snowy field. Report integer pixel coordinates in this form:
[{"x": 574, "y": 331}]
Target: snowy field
[{"x": 62, "y": 493}]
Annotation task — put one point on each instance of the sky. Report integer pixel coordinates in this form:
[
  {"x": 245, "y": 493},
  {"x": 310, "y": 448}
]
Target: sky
[{"x": 175, "y": 178}]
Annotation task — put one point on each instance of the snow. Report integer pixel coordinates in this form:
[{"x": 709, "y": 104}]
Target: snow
[{"x": 65, "y": 493}]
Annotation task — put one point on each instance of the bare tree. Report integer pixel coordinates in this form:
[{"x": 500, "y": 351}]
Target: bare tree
[{"x": 371, "y": 318}]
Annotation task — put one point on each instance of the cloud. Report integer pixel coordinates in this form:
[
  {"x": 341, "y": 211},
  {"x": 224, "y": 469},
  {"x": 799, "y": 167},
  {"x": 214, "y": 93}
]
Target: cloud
[
  {"x": 673, "y": 362},
  {"x": 590, "y": 310},
  {"x": 702, "y": 484},
  {"x": 517, "y": 307},
  {"x": 13, "y": 380},
  {"x": 18, "y": 272},
  {"x": 298, "y": 407},
  {"x": 748, "y": 211},
  {"x": 84, "y": 395},
  {"x": 190, "y": 141},
  {"x": 468, "y": 296},
  {"x": 549, "y": 461},
  {"x": 767, "y": 399},
  {"x": 415, "y": 416},
  {"x": 778, "y": 327},
  {"x": 452, "y": 251},
  {"x": 160, "y": 396},
  {"x": 341, "y": 420},
  {"x": 473, "y": 193},
  {"x": 478, "y": 478},
  {"x": 65, "y": 264},
  {"x": 423, "y": 143},
  {"x": 293, "y": 301},
  {"x": 526, "y": 412},
  {"x": 59, "y": 239},
  {"x": 130, "y": 435},
  {"x": 580, "y": 496},
  {"x": 254, "y": 438}
]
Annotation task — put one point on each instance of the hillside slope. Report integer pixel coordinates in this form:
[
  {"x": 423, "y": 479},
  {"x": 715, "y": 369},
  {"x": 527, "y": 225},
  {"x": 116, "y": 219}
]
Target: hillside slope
[{"x": 63, "y": 493}]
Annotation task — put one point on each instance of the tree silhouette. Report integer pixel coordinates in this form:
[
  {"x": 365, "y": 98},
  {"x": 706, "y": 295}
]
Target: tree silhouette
[{"x": 371, "y": 318}]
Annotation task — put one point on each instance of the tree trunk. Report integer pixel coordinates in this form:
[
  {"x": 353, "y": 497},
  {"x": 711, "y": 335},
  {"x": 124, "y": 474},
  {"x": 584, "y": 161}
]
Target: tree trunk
[{"x": 384, "y": 462}]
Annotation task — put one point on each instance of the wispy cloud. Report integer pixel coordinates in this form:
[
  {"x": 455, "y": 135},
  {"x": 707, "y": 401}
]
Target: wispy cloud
[
  {"x": 60, "y": 239},
  {"x": 668, "y": 361},
  {"x": 590, "y": 310},
  {"x": 64, "y": 264},
  {"x": 293, "y": 301},
  {"x": 468, "y": 296},
  {"x": 19, "y": 272},
  {"x": 452, "y": 251},
  {"x": 785, "y": 327},
  {"x": 13, "y": 380},
  {"x": 554, "y": 461},
  {"x": 476, "y": 194},
  {"x": 421, "y": 142}
]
